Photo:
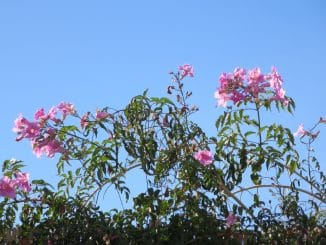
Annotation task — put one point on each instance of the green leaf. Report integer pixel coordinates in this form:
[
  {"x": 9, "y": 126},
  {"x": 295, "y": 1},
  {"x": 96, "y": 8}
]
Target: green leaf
[
  {"x": 255, "y": 178},
  {"x": 256, "y": 199},
  {"x": 293, "y": 166}
]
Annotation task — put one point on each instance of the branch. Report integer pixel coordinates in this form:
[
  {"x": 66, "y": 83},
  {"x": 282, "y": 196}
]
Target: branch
[
  {"x": 230, "y": 194},
  {"x": 280, "y": 186}
]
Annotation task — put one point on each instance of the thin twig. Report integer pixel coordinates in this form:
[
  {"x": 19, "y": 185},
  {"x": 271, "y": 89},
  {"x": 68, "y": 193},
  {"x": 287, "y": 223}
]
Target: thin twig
[{"x": 280, "y": 186}]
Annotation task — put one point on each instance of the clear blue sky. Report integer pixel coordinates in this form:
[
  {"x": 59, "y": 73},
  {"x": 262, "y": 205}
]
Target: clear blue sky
[{"x": 98, "y": 53}]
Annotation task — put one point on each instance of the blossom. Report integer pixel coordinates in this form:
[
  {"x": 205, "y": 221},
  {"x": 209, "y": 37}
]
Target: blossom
[
  {"x": 274, "y": 78},
  {"x": 241, "y": 86},
  {"x": 100, "y": 115},
  {"x": 221, "y": 97},
  {"x": 66, "y": 109},
  {"x": 231, "y": 87},
  {"x": 22, "y": 181},
  {"x": 53, "y": 147},
  {"x": 53, "y": 113},
  {"x": 237, "y": 96},
  {"x": 276, "y": 82},
  {"x": 280, "y": 96},
  {"x": 39, "y": 114},
  {"x": 186, "y": 70},
  {"x": 84, "y": 120},
  {"x": 205, "y": 157},
  {"x": 239, "y": 73},
  {"x": 300, "y": 131},
  {"x": 25, "y": 128},
  {"x": 231, "y": 220},
  {"x": 255, "y": 76},
  {"x": 256, "y": 83},
  {"x": 7, "y": 187},
  {"x": 48, "y": 144},
  {"x": 49, "y": 149},
  {"x": 42, "y": 117}
]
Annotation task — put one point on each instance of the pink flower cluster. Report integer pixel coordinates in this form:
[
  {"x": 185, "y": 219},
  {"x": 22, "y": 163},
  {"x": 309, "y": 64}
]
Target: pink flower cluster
[
  {"x": 186, "y": 70},
  {"x": 205, "y": 157},
  {"x": 9, "y": 186},
  {"x": 43, "y": 137},
  {"x": 248, "y": 86}
]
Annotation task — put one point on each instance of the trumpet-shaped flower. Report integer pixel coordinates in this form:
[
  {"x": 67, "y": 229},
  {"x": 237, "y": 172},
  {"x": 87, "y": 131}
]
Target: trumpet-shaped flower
[
  {"x": 205, "y": 157},
  {"x": 48, "y": 147},
  {"x": 66, "y": 109},
  {"x": 186, "y": 70},
  {"x": 300, "y": 131},
  {"x": 7, "y": 187},
  {"x": 25, "y": 128},
  {"x": 22, "y": 181}
]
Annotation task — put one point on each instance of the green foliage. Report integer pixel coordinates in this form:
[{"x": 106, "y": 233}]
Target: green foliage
[{"x": 185, "y": 202}]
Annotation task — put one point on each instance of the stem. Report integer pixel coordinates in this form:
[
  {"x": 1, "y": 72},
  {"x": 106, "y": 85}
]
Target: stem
[
  {"x": 280, "y": 186},
  {"x": 308, "y": 160},
  {"x": 233, "y": 196},
  {"x": 87, "y": 140},
  {"x": 25, "y": 200},
  {"x": 259, "y": 127},
  {"x": 183, "y": 100}
]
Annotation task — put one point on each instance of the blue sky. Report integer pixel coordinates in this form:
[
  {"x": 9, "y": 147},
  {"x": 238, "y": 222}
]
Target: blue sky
[{"x": 99, "y": 53}]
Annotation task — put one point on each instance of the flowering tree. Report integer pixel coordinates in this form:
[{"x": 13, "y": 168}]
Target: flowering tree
[{"x": 246, "y": 182}]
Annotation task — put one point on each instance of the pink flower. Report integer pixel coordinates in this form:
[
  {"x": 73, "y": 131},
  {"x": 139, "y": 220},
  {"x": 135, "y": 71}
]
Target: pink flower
[
  {"x": 7, "y": 187},
  {"x": 84, "y": 120},
  {"x": 100, "y": 115},
  {"x": 39, "y": 114},
  {"x": 22, "y": 181},
  {"x": 25, "y": 128},
  {"x": 47, "y": 144},
  {"x": 274, "y": 78},
  {"x": 300, "y": 131},
  {"x": 37, "y": 149},
  {"x": 237, "y": 96},
  {"x": 239, "y": 74},
  {"x": 43, "y": 118},
  {"x": 221, "y": 97},
  {"x": 66, "y": 109},
  {"x": 256, "y": 83},
  {"x": 279, "y": 94},
  {"x": 49, "y": 148},
  {"x": 205, "y": 157},
  {"x": 255, "y": 76},
  {"x": 276, "y": 82},
  {"x": 52, "y": 114},
  {"x": 186, "y": 70},
  {"x": 231, "y": 87},
  {"x": 53, "y": 147},
  {"x": 231, "y": 220}
]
